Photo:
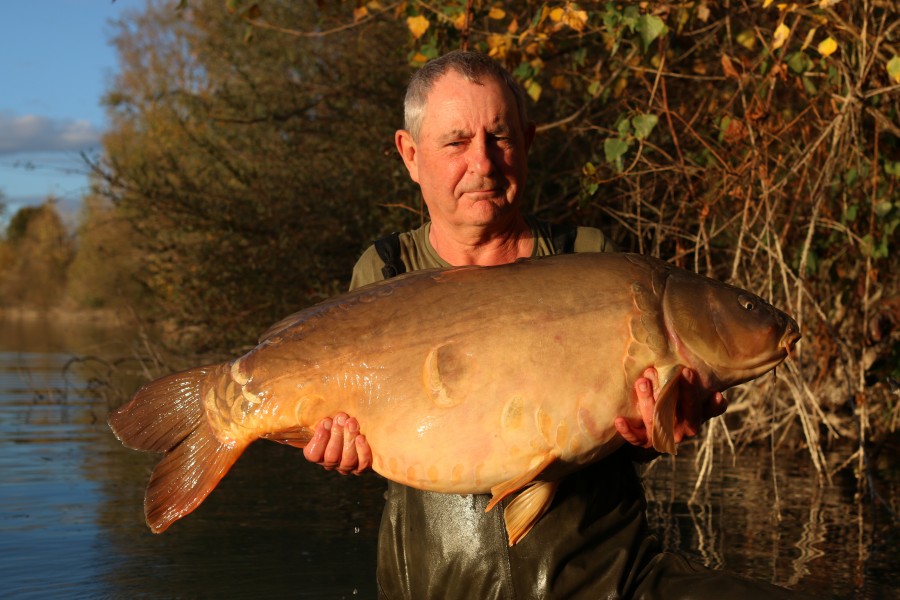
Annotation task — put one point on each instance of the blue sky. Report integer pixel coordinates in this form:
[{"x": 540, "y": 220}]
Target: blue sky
[{"x": 57, "y": 64}]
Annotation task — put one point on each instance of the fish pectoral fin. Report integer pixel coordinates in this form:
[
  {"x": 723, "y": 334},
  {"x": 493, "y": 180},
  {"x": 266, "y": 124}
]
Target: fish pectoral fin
[
  {"x": 524, "y": 511},
  {"x": 663, "y": 435},
  {"x": 298, "y": 437},
  {"x": 502, "y": 490}
]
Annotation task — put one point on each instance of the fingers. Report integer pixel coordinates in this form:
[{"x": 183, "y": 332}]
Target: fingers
[
  {"x": 364, "y": 452},
  {"x": 337, "y": 445},
  {"x": 715, "y": 407},
  {"x": 314, "y": 451},
  {"x": 334, "y": 449},
  {"x": 636, "y": 436},
  {"x": 646, "y": 402}
]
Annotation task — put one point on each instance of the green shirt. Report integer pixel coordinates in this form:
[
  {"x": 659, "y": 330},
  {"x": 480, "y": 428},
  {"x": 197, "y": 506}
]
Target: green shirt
[{"x": 417, "y": 252}]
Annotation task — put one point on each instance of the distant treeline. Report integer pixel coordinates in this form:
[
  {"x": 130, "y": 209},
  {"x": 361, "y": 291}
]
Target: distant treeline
[{"x": 250, "y": 160}]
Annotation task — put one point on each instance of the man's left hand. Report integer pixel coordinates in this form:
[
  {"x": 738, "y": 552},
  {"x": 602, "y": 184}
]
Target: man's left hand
[{"x": 692, "y": 409}]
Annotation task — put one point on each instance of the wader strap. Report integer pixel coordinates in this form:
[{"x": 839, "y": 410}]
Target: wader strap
[
  {"x": 388, "y": 248},
  {"x": 564, "y": 238}
]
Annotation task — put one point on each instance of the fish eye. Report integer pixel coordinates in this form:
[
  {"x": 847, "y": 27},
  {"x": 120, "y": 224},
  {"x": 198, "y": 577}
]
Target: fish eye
[{"x": 747, "y": 302}]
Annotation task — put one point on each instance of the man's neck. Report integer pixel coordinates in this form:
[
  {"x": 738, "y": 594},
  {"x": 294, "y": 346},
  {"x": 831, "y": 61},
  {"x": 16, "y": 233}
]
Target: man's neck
[{"x": 483, "y": 246}]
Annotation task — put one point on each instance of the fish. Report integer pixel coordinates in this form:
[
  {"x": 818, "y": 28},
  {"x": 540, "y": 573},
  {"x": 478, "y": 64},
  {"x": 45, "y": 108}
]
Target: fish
[{"x": 467, "y": 380}]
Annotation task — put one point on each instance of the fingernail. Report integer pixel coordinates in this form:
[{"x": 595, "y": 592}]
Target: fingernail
[
  {"x": 326, "y": 424},
  {"x": 341, "y": 419},
  {"x": 644, "y": 386},
  {"x": 353, "y": 426}
]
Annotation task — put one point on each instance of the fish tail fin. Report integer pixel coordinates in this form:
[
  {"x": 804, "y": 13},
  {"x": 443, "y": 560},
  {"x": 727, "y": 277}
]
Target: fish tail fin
[{"x": 167, "y": 415}]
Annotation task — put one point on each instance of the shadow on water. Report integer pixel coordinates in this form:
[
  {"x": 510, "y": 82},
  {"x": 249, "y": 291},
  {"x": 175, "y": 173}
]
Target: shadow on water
[{"x": 71, "y": 522}]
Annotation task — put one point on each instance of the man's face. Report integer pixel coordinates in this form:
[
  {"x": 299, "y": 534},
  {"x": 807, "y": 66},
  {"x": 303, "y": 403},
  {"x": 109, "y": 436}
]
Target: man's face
[{"x": 470, "y": 158}]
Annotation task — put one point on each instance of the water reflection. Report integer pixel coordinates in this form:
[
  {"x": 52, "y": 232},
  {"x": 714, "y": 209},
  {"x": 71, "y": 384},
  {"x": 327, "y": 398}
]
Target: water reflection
[
  {"x": 770, "y": 519},
  {"x": 71, "y": 522}
]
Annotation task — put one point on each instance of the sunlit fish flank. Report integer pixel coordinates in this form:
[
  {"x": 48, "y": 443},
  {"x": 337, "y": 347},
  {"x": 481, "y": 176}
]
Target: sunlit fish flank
[{"x": 465, "y": 380}]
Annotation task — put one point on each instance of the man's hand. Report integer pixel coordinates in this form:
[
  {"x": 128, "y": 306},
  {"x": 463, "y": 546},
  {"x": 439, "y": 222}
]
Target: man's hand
[
  {"x": 692, "y": 409},
  {"x": 338, "y": 445}
]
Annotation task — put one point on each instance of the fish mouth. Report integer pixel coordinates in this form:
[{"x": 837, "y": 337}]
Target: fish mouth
[{"x": 789, "y": 342}]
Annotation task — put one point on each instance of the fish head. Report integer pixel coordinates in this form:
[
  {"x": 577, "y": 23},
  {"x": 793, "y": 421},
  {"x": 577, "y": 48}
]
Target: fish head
[{"x": 726, "y": 334}]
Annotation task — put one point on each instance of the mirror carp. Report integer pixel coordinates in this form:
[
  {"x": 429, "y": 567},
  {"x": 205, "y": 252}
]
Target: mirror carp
[{"x": 464, "y": 380}]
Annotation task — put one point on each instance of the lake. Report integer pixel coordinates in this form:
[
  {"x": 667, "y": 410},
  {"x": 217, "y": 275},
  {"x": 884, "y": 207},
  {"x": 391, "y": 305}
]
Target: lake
[{"x": 71, "y": 518}]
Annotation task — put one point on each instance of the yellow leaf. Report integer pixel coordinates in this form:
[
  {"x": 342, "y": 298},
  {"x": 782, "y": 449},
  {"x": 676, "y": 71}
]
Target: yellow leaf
[
  {"x": 460, "y": 21},
  {"x": 767, "y": 3},
  {"x": 533, "y": 89},
  {"x": 747, "y": 39},
  {"x": 498, "y": 46},
  {"x": 496, "y": 13},
  {"x": 809, "y": 38},
  {"x": 418, "y": 25},
  {"x": 827, "y": 46},
  {"x": 827, "y": 3},
  {"x": 559, "y": 82},
  {"x": 360, "y": 13},
  {"x": 781, "y": 34},
  {"x": 703, "y": 12},
  {"x": 419, "y": 58},
  {"x": 576, "y": 19},
  {"x": 556, "y": 14}
]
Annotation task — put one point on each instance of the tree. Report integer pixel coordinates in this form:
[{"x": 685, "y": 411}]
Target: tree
[
  {"x": 102, "y": 271},
  {"x": 252, "y": 167},
  {"x": 39, "y": 249}
]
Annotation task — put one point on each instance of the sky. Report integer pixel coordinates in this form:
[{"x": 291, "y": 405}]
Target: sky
[{"x": 58, "y": 63}]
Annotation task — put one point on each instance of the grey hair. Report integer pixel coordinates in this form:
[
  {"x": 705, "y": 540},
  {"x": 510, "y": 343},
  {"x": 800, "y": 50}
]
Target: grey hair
[{"x": 474, "y": 66}]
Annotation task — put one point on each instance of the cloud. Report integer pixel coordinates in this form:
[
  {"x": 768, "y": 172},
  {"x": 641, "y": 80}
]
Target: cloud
[{"x": 34, "y": 133}]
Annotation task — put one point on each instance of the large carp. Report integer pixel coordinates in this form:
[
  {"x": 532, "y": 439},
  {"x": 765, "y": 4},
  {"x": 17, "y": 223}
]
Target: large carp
[{"x": 464, "y": 380}]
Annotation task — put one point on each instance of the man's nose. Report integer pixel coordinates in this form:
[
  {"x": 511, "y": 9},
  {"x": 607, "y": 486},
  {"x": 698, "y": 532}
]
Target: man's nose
[{"x": 480, "y": 160}]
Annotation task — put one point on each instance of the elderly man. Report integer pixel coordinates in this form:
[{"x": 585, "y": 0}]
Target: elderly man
[{"x": 466, "y": 143}]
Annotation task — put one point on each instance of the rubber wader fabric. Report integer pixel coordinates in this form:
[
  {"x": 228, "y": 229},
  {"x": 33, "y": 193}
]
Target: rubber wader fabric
[{"x": 592, "y": 543}]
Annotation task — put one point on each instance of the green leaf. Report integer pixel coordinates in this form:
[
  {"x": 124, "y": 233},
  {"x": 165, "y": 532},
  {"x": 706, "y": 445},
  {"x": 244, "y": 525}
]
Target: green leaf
[
  {"x": 614, "y": 149},
  {"x": 799, "y": 62},
  {"x": 883, "y": 207},
  {"x": 631, "y": 16},
  {"x": 650, "y": 27},
  {"x": 624, "y": 127},
  {"x": 893, "y": 69},
  {"x": 809, "y": 86},
  {"x": 643, "y": 125}
]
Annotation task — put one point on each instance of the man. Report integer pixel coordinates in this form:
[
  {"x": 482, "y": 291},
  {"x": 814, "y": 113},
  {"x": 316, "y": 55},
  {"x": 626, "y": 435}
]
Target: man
[{"x": 466, "y": 143}]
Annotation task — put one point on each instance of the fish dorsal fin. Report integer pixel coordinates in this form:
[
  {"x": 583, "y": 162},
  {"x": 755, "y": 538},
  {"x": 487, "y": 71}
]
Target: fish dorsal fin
[
  {"x": 524, "y": 511},
  {"x": 663, "y": 435},
  {"x": 502, "y": 490}
]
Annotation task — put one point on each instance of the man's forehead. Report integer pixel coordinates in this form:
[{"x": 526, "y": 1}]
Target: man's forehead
[{"x": 447, "y": 107}]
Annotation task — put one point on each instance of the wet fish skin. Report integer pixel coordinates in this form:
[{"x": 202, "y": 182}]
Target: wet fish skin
[{"x": 464, "y": 380}]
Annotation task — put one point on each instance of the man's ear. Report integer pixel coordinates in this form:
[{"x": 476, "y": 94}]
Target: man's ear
[{"x": 407, "y": 148}]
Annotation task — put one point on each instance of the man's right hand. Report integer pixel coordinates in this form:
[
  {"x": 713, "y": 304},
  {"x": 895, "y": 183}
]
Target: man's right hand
[{"x": 337, "y": 445}]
